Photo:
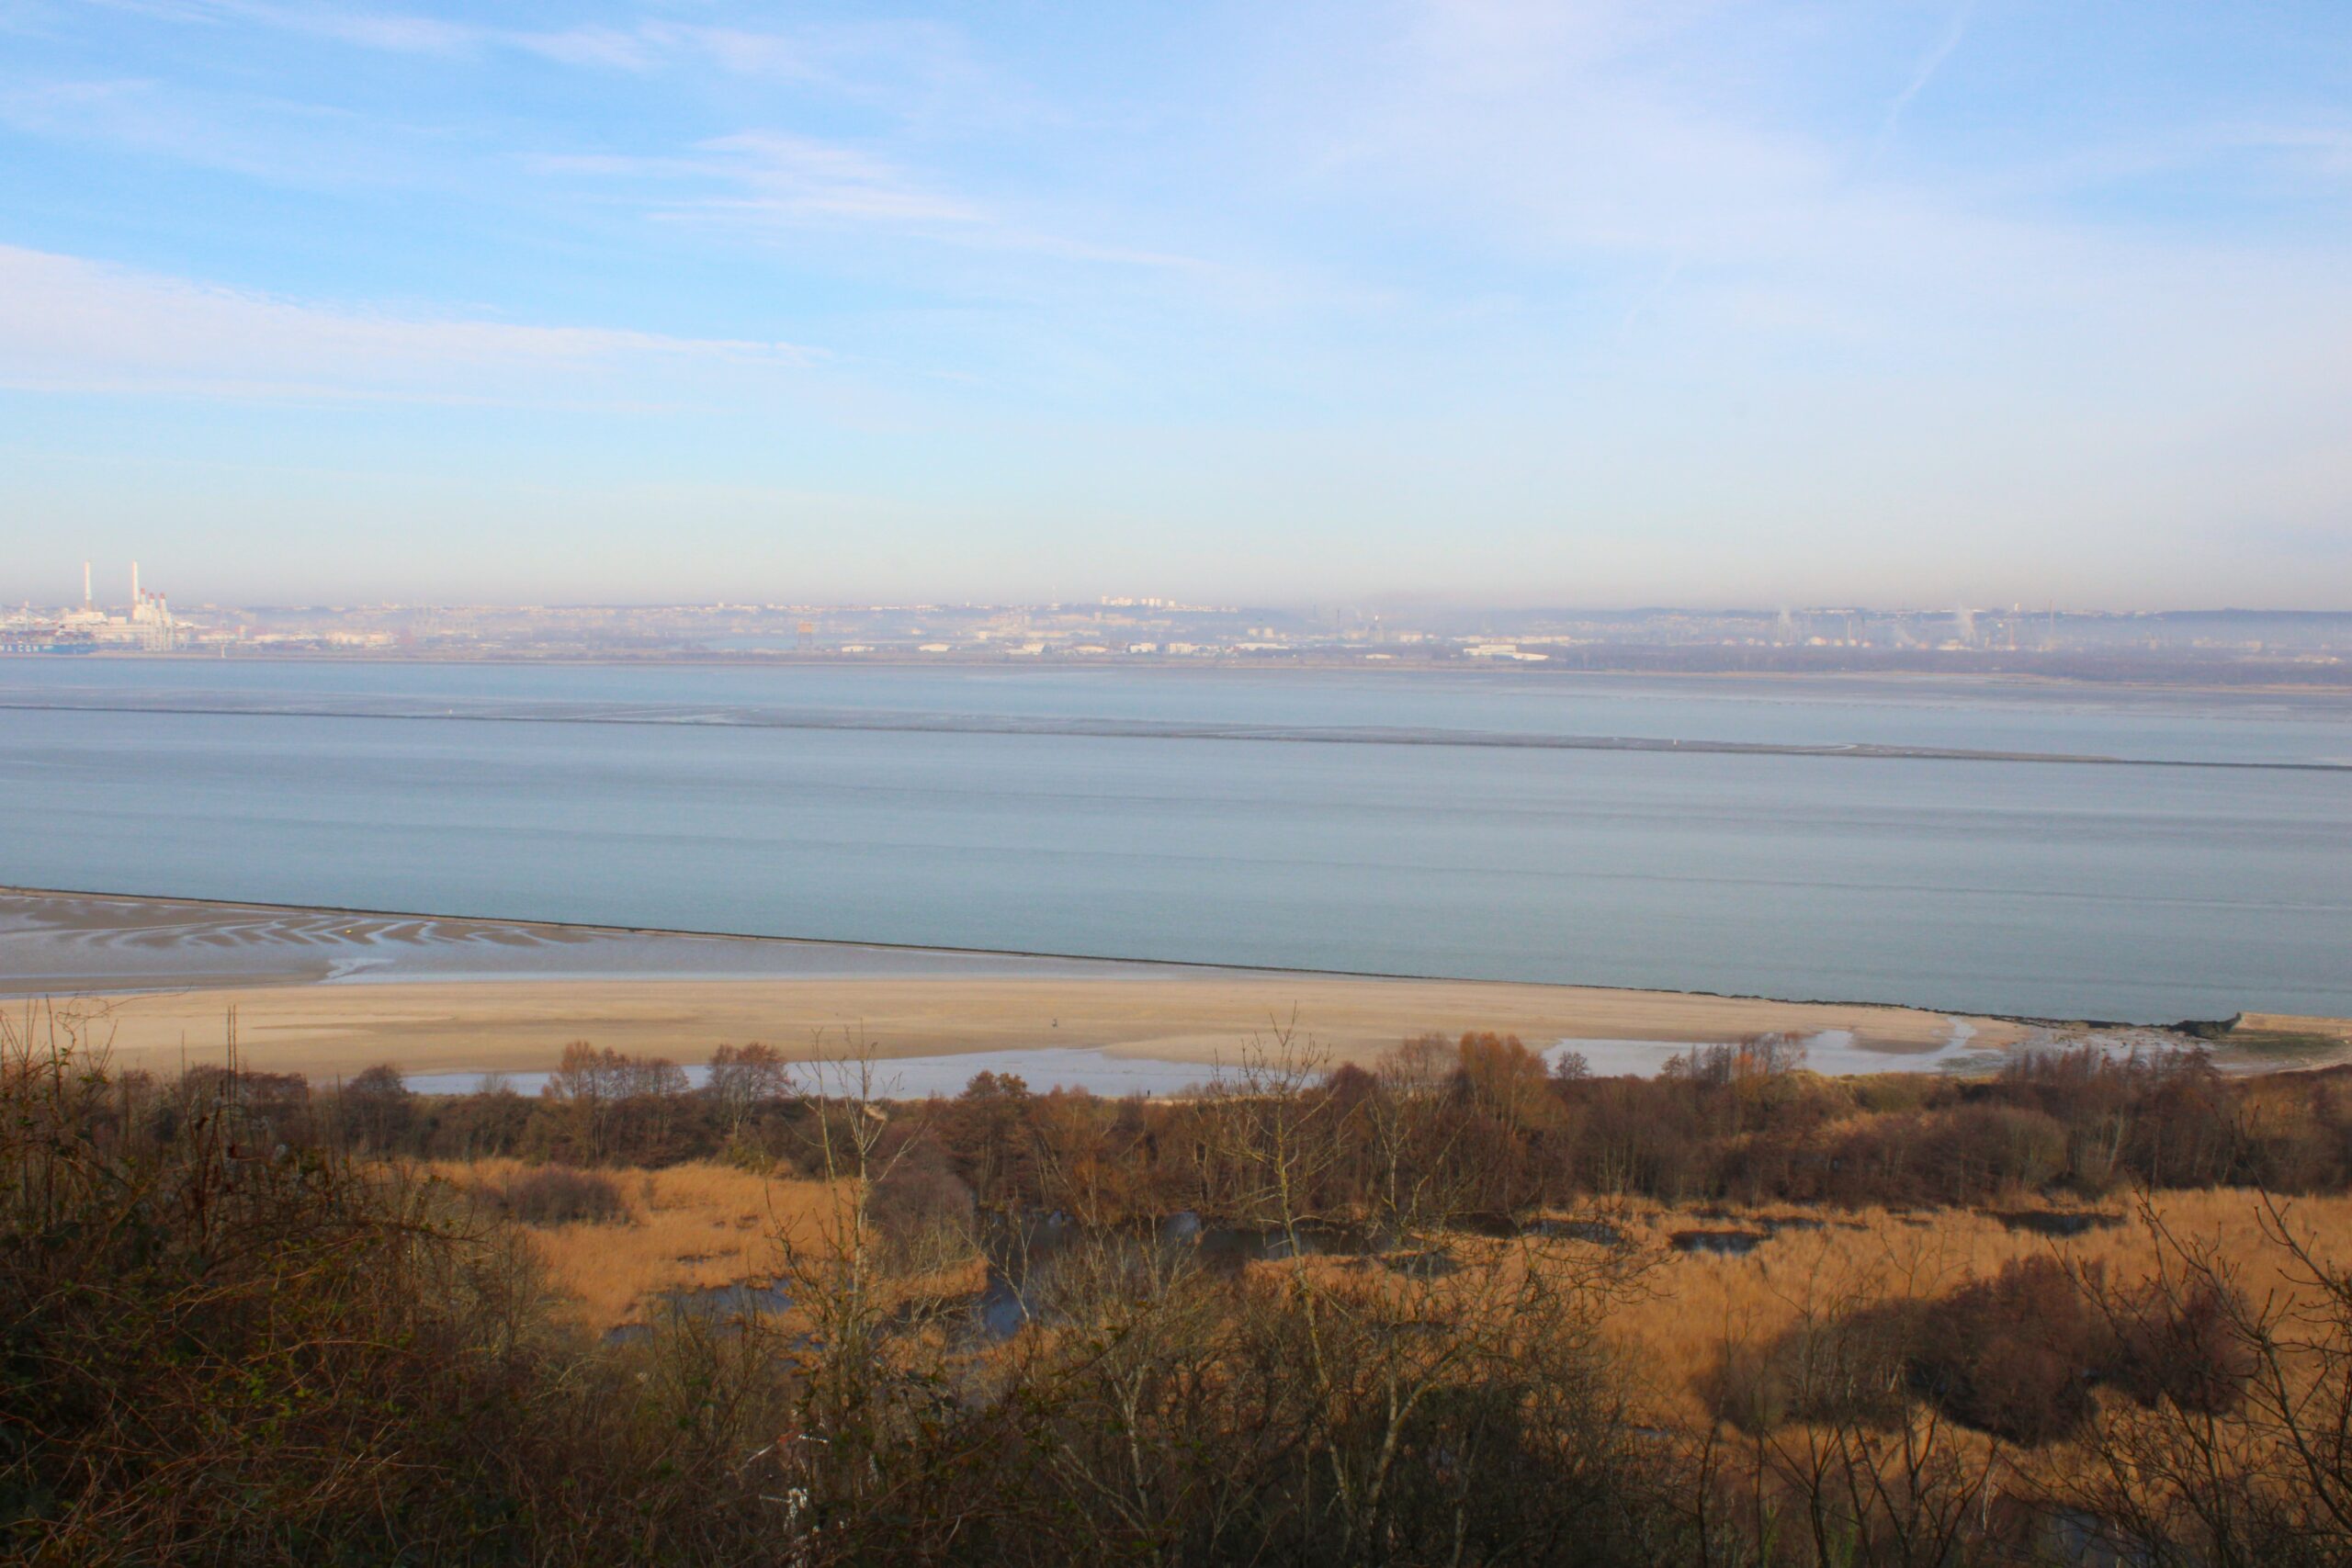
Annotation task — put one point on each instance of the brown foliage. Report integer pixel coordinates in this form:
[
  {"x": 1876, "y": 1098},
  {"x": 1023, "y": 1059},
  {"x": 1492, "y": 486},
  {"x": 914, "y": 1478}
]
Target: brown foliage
[
  {"x": 918, "y": 1206},
  {"x": 2016, "y": 1355},
  {"x": 558, "y": 1195},
  {"x": 223, "y": 1345},
  {"x": 2184, "y": 1345}
]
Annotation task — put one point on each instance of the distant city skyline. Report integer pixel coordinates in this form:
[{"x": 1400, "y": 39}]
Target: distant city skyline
[
  {"x": 1604, "y": 305},
  {"x": 2235, "y": 645},
  {"x": 118, "y": 586}
]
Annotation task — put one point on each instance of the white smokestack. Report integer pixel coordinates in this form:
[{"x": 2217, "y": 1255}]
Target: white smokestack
[
  {"x": 86, "y": 585},
  {"x": 134, "y": 585}
]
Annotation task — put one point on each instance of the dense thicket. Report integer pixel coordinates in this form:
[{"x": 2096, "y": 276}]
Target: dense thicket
[
  {"x": 1491, "y": 1129},
  {"x": 222, "y": 1340}
]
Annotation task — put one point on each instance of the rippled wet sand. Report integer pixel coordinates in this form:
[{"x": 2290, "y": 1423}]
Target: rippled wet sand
[{"x": 71, "y": 942}]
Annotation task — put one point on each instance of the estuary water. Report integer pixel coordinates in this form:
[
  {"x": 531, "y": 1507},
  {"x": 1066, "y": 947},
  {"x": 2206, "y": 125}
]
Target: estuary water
[{"x": 2004, "y": 847}]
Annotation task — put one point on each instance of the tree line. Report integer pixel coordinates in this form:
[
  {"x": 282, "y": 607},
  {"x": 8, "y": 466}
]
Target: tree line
[{"x": 1477, "y": 1125}]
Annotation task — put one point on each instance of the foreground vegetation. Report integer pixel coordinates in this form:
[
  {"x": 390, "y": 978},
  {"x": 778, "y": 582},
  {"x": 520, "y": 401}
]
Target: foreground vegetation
[{"x": 1460, "y": 1310}]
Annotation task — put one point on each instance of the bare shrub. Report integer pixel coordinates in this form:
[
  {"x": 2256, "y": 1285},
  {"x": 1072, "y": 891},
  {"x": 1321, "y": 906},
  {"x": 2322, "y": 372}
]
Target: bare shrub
[
  {"x": 2017, "y": 1355},
  {"x": 1850, "y": 1369},
  {"x": 559, "y": 1195},
  {"x": 2237, "y": 1447},
  {"x": 742, "y": 1081},
  {"x": 223, "y": 1347},
  {"x": 2185, "y": 1344},
  {"x": 921, "y": 1210},
  {"x": 375, "y": 1109},
  {"x": 1990, "y": 1149}
]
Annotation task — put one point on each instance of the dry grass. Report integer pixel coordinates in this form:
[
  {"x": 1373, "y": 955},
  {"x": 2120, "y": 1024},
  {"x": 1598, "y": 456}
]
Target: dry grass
[
  {"x": 1705, "y": 1304},
  {"x": 689, "y": 1225},
  {"x": 701, "y": 1224}
]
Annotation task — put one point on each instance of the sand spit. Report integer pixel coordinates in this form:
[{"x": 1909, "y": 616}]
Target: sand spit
[
  {"x": 509, "y": 1025},
  {"x": 159, "y": 978}
]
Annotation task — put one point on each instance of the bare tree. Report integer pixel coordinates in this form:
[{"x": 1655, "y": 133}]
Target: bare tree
[{"x": 744, "y": 1080}]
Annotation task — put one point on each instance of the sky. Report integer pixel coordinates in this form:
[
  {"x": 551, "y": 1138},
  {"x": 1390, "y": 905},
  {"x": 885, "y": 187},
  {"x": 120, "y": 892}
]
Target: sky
[{"x": 1604, "y": 303}]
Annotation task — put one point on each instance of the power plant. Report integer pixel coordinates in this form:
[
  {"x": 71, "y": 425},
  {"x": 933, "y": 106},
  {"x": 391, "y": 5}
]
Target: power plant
[{"x": 146, "y": 624}]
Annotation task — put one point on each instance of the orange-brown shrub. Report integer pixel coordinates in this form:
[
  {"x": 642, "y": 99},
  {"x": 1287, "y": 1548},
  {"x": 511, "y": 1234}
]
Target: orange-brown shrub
[
  {"x": 2016, "y": 1355},
  {"x": 2184, "y": 1345},
  {"x": 559, "y": 1195}
]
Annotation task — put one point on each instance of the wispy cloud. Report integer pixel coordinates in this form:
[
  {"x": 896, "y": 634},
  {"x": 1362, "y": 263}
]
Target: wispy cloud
[
  {"x": 399, "y": 32},
  {"x": 2320, "y": 148},
  {"x": 867, "y": 59},
  {"x": 69, "y": 324},
  {"x": 1730, "y": 236},
  {"x": 766, "y": 179},
  {"x": 613, "y": 48},
  {"x": 1955, "y": 30},
  {"x": 1636, "y": 258},
  {"x": 282, "y": 142},
  {"x": 2291, "y": 161},
  {"x": 785, "y": 176}
]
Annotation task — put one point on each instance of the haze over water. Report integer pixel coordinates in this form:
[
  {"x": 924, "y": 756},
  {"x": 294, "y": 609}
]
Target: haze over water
[{"x": 736, "y": 800}]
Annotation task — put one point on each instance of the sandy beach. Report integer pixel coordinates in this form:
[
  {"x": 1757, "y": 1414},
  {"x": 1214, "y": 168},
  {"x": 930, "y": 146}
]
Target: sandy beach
[
  {"x": 328, "y": 993},
  {"x": 508, "y": 1025}
]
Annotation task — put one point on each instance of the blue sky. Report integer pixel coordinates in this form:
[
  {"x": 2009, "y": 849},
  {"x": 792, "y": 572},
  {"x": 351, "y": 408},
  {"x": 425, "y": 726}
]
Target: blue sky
[{"x": 1583, "y": 303}]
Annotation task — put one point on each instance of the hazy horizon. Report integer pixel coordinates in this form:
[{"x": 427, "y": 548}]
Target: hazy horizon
[
  {"x": 61, "y": 588},
  {"x": 1597, "y": 305}
]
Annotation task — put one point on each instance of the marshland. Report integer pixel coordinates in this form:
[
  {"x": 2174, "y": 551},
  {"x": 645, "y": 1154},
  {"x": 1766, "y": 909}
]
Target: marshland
[{"x": 1461, "y": 1306}]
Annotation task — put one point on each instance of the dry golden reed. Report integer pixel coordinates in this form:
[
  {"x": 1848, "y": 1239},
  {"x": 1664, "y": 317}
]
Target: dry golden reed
[
  {"x": 1704, "y": 1304},
  {"x": 687, "y": 1226}
]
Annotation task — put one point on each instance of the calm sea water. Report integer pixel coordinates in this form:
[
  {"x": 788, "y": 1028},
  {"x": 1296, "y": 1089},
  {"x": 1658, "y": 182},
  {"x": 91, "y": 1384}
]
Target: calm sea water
[{"x": 2143, "y": 892}]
